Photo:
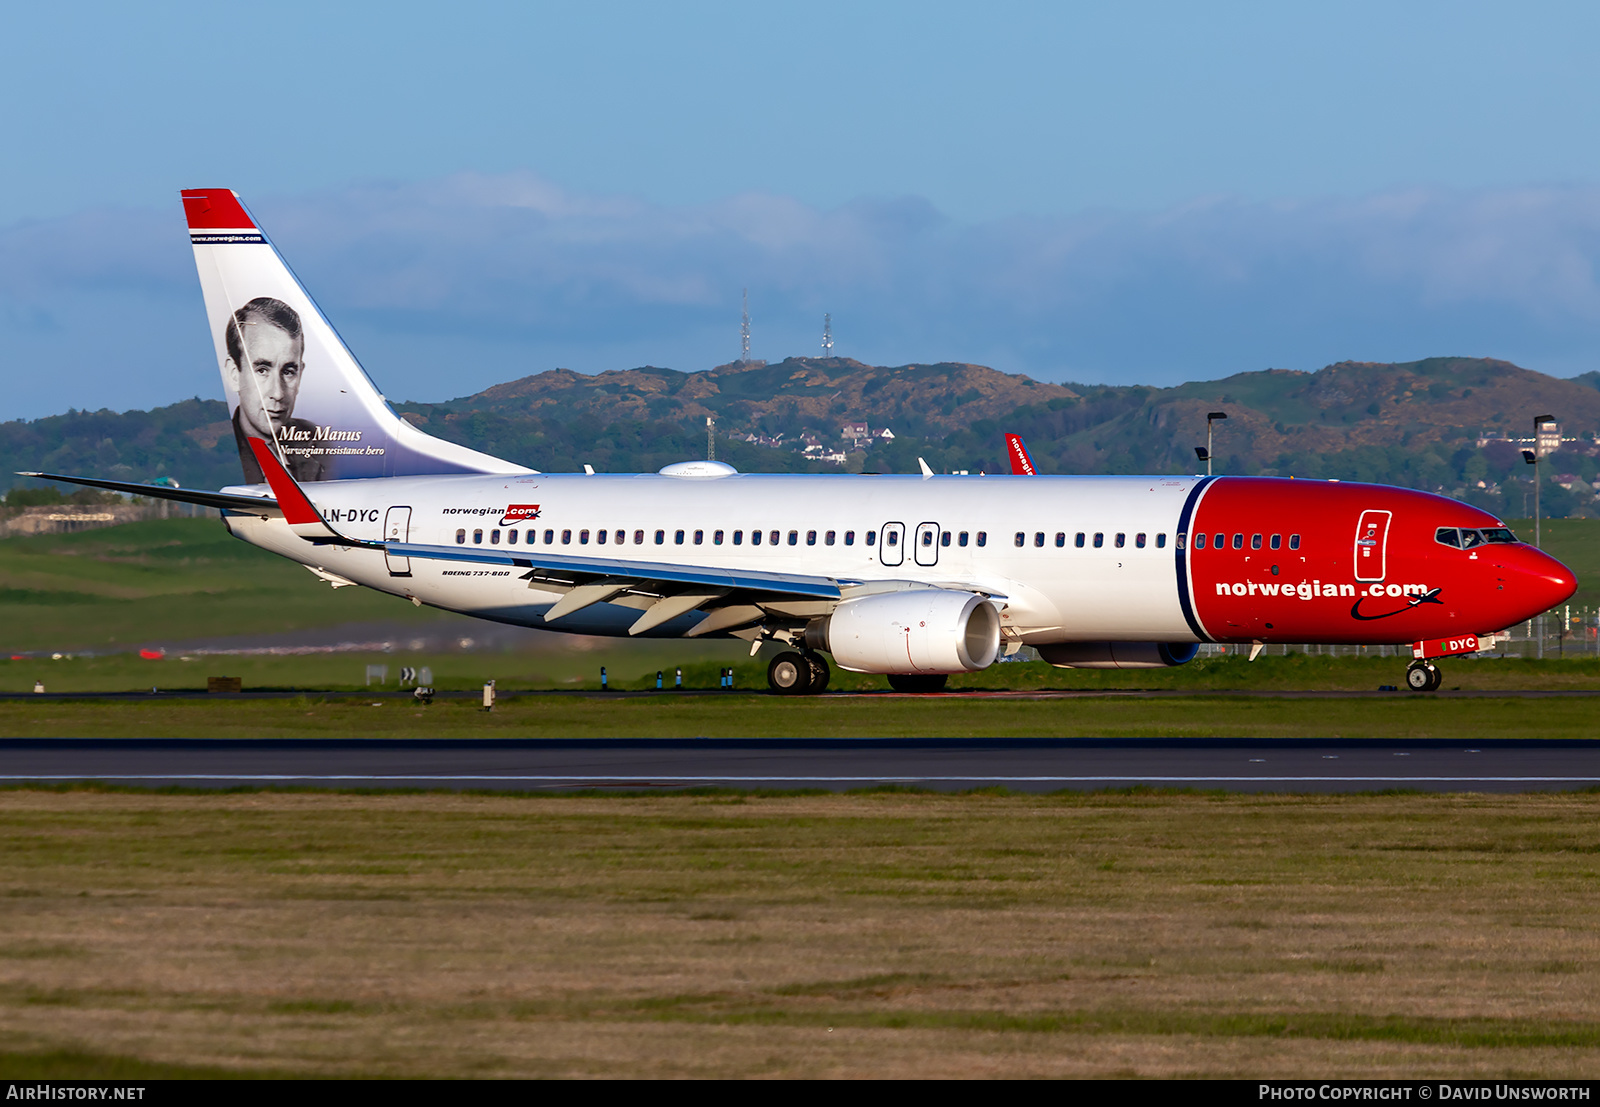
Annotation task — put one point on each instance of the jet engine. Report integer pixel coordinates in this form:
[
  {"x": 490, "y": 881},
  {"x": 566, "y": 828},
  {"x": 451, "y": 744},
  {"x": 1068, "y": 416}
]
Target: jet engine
[
  {"x": 925, "y": 630},
  {"x": 1118, "y": 655}
]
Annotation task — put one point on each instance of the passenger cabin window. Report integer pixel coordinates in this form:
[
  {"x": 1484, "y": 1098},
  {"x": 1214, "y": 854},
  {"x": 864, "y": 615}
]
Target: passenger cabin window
[
  {"x": 1238, "y": 541},
  {"x": 1021, "y": 538},
  {"x": 661, "y": 537},
  {"x": 677, "y": 538},
  {"x": 1294, "y": 541},
  {"x": 738, "y": 538},
  {"x": 1038, "y": 538},
  {"x": 1199, "y": 541},
  {"x": 944, "y": 539},
  {"x": 1161, "y": 541},
  {"x": 1277, "y": 541},
  {"x": 511, "y": 537},
  {"x": 1122, "y": 540},
  {"x": 549, "y": 537},
  {"x": 1078, "y": 540},
  {"x": 1220, "y": 543},
  {"x": 638, "y": 538},
  {"x": 716, "y": 538},
  {"x": 494, "y": 538},
  {"x": 772, "y": 538},
  {"x": 827, "y": 539},
  {"x": 811, "y": 538},
  {"x": 622, "y": 536},
  {"x": 477, "y": 538},
  {"x": 1138, "y": 541},
  {"x": 794, "y": 538},
  {"x": 566, "y": 538},
  {"x": 1099, "y": 539},
  {"x": 699, "y": 538},
  {"x": 600, "y": 537},
  {"x": 849, "y": 538},
  {"x": 962, "y": 539},
  {"x": 461, "y": 537},
  {"x": 927, "y": 538},
  {"x": 983, "y": 538},
  {"x": 583, "y": 538},
  {"x": 755, "y": 538},
  {"x": 1061, "y": 539},
  {"x": 1255, "y": 541}
]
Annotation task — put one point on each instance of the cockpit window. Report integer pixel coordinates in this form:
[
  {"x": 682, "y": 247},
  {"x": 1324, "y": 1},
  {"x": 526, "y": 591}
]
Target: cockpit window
[{"x": 1466, "y": 538}]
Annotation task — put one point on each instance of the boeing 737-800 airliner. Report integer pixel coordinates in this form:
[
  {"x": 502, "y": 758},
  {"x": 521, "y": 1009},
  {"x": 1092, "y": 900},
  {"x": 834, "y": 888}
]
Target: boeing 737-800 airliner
[{"x": 915, "y": 577}]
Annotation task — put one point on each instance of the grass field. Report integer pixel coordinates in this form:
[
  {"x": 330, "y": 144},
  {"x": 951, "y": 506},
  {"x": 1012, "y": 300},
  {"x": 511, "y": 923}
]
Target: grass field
[
  {"x": 632, "y": 667},
  {"x": 762, "y": 716},
  {"x": 885, "y": 934}
]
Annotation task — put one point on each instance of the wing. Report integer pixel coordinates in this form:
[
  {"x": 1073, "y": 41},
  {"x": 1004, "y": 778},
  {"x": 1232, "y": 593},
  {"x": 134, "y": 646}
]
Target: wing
[{"x": 732, "y": 598}]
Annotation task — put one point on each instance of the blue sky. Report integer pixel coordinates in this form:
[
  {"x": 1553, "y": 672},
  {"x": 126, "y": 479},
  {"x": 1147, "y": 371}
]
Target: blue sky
[{"x": 1102, "y": 193}]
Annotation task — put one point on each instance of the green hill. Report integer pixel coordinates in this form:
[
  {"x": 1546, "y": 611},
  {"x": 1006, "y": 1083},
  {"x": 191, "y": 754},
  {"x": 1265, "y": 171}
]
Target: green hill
[{"x": 1414, "y": 424}]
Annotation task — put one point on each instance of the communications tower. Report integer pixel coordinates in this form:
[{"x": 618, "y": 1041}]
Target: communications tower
[
  {"x": 744, "y": 329},
  {"x": 827, "y": 335}
]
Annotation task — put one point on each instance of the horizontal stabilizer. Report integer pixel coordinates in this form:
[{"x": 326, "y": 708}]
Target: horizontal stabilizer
[{"x": 227, "y": 501}]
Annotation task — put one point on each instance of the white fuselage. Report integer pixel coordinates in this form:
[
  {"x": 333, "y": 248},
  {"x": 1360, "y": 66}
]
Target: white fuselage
[{"x": 956, "y": 531}]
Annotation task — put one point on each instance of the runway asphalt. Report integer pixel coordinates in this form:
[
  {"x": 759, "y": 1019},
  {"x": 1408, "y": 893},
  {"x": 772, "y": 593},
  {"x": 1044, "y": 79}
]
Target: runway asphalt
[{"x": 1026, "y": 765}]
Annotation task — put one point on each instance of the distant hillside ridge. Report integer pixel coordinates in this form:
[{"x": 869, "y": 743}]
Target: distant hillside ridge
[
  {"x": 1414, "y": 424},
  {"x": 818, "y": 393}
]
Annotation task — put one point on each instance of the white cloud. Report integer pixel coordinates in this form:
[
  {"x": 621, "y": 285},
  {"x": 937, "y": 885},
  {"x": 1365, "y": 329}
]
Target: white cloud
[{"x": 449, "y": 285}]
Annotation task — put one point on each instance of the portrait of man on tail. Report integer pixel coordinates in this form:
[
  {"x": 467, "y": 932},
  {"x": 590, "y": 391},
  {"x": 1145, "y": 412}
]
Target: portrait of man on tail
[{"x": 265, "y": 367}]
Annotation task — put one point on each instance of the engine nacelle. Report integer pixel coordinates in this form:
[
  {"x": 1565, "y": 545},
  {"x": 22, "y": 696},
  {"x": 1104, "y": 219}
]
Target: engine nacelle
[
  {"x": 1118, "y": 655},
  {"x": 924, "y": 630}
]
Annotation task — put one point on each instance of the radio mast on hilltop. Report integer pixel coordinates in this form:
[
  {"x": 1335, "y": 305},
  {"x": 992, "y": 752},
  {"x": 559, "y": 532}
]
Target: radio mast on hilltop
[
  {"x": 744, "y": 329},
  {"x": 827, "y": 335}
]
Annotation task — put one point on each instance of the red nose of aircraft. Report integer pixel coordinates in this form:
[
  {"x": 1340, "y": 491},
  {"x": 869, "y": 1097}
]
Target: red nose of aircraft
[{"x": 1539, "y": 580}]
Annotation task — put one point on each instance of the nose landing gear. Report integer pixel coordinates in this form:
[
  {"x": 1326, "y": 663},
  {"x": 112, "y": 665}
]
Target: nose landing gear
[{"x": 1423, "y": 676}]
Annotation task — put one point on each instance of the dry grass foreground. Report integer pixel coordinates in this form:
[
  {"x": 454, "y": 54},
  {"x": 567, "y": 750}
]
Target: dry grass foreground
[{"x": 876, "y": 934}]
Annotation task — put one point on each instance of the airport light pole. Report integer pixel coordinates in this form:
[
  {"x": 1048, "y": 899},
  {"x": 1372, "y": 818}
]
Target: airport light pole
[
  {"x": 1205, "y": 456},
  {"x": 1532, "y": 458}
]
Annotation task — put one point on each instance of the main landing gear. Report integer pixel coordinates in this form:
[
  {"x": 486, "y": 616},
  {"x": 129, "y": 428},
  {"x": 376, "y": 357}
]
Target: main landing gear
[
  {"x": 798, "y": 674},
  {"x": 1423, "y": 676}
]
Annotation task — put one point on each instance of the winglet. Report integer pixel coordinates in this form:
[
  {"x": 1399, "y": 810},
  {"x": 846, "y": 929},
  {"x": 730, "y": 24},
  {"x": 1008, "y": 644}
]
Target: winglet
[
  {"x": 300, "y": 513},
  {"x": 1021, "y": 463},
  {"x": 926, "y": 472}
]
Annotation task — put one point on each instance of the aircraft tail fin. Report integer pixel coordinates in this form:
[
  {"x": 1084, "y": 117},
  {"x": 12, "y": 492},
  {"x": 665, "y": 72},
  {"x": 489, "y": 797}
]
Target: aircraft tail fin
[
  {"x": 1021, "y": 463},
  {"x": 290, "y": 379}
]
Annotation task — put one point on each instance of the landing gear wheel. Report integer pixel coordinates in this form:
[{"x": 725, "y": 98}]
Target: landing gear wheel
[
  {"x": 917, "y": 682},
  {"x": 790, "y": 674},
  {"x": 1423, "y": 676},
  {"x": 819, "y": 673}
]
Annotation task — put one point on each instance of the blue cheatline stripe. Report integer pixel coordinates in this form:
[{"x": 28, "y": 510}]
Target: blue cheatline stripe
[
  {"x": 664, "y": 778},
  {"x": 230, "y": 238},
  {"x": 1181, "y": 555}
]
